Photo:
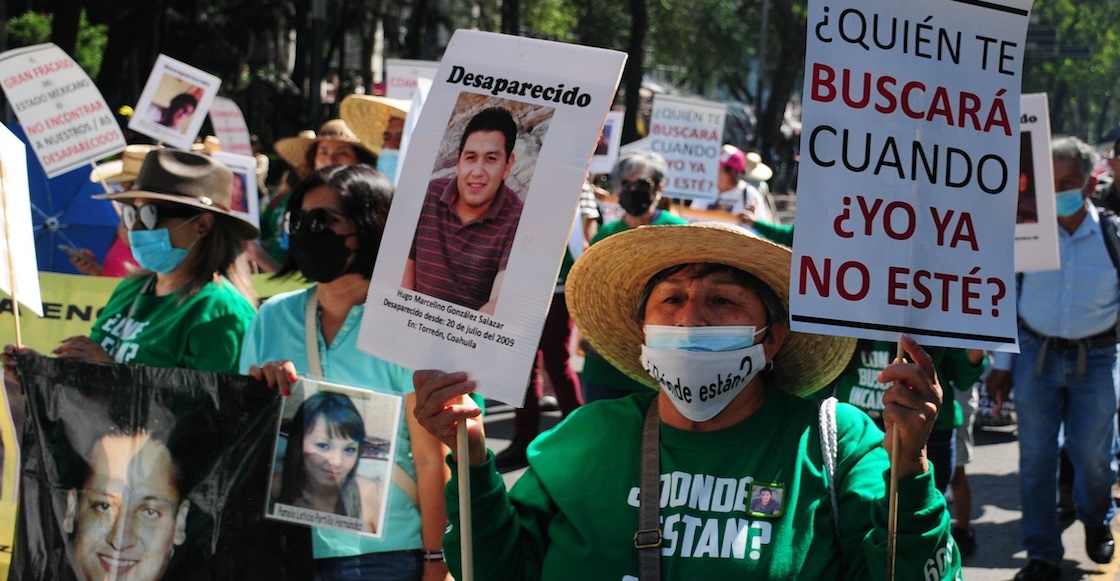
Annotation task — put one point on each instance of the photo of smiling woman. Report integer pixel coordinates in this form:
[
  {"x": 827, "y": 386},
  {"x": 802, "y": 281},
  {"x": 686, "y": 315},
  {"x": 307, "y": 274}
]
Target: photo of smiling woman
[{"x": 326, "y": 440}]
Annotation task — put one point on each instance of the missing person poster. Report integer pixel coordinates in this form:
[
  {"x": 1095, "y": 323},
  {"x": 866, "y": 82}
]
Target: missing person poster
[
  {"x": 1036, "y": 224},
  {"x": 145, "y": 473},
  {"x": 688, "y": 133},
  {"x": 606, "y": 149},
  {"x": 230, "y": 127},
  {"x": 471, "y": 250},
  {"x": 909, "y": 169},
  {"x": 174, "y": 102},
  {"x": 245, "y": 201},
  {"x": 335, "y": 457},
  {"x": 401, "y": 76},
  {"x": 68, "y": 122}
]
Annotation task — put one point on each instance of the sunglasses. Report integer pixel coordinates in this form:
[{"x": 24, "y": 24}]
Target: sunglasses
[
  {"x": 312, "y": 221},
  {"x": 643, "y": 185},
  {"x": 151, "y": 214}
]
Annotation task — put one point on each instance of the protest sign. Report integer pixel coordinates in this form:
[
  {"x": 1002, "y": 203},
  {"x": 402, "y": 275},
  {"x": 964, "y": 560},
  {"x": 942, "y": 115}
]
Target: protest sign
[
  {"x": 67, "y": 120},
  {"x": 360, "y": 427},
  {"x": 468, "y": 262},
  {"x": 146, "y": 473},
  {"x": 909, "y": 154},
  {"x": 245, "y": 201},
  {"x": 229, "y": 126},
  {"x": 1036, "y": 224},
  {"x": 174, "y": 102},
  {"x": 19, "y": 270},
  {"x": 688, "y": 133},
  {"x": 401, "y": 76},
  {"x": 606, "y": 150}
]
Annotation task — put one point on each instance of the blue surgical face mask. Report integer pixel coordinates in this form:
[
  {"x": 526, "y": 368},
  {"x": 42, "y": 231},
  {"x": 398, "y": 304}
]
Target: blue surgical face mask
[
  {"x": 387, "y": 163},
  {"x": 708, "y": 339},
  {"x": 153, "y": 250},
  {"x": 1069, "y": 202}
]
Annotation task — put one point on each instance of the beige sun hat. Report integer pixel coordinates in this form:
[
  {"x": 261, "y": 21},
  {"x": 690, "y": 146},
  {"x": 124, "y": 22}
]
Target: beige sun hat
[
  {"x": 369, "y": 115},
  {"x": 189, "y": 179},
  {"x": 123, "y": 169},
  {"x": 605, "y": 285},
  {"x": 293, "y": 150},
  {"x": 756, "y": 170}
]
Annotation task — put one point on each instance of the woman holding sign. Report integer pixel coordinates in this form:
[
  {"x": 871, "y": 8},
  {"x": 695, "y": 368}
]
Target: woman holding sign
[
  {"x": 667, "y": 482},
  {"x": 336, "y": 219}
]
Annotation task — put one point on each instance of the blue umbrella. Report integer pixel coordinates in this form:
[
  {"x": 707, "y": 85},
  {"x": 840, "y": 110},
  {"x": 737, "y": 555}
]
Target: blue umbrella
[{"x": 63, "y": 213}]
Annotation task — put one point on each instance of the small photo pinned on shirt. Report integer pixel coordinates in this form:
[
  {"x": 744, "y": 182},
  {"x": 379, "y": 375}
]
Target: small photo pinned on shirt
[{"x": 767, "y": 500}]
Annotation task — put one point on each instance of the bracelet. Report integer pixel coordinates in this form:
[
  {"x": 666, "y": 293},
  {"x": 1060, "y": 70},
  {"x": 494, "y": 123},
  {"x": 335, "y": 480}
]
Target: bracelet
[{"x": 433, "y": 557}]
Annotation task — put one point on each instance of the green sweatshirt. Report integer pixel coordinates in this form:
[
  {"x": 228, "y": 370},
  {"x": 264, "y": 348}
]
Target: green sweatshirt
[{"x": 573, "y": 513}]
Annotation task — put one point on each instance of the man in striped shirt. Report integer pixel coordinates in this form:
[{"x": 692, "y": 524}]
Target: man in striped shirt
[{"x": 468, "y": 222}]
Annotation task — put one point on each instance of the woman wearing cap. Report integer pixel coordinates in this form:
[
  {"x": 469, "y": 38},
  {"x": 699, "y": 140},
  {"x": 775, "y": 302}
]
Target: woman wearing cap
[
  {"x": 180, "y": 310},
  {"x": 701, "y": 312},
  {"x": 337, "y": 217}
]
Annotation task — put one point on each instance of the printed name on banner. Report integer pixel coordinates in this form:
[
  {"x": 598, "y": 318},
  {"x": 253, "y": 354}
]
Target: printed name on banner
[{"x": 448, "y": 328}]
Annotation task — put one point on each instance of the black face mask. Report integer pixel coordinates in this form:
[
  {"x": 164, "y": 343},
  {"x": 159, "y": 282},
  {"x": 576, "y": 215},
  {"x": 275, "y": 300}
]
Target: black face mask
[
  {"x": 635, "y": 202},
  {"x": 321, "y": 256}
]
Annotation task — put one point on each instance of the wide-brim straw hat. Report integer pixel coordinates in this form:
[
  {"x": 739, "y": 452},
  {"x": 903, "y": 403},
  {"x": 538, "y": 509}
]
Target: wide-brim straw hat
[
  {"x": 123, "y": 169},
  {"x": 188, "y": 179},
  {"x": 605, "y": 285},
  {"x": 369, "y": 115},
  {"x": 756, "y": 170},
  {"x": 293, "y": 150}
]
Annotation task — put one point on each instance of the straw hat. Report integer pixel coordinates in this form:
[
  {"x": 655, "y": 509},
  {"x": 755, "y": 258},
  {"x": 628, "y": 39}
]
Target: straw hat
[
  {"x": 293, "y": 150},
  {"x": 605, "y": 285},
  {"x": 756, "y": 170},
  {"x": 369, "y": 115},
  {"x": 123, "y": 169},
  {"x": 189, "y": 179}
]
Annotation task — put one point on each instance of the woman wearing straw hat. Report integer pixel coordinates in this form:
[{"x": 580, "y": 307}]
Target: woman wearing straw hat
[
  {"x": 182, "y": 310},
  {"x": 661, "y": 483}
]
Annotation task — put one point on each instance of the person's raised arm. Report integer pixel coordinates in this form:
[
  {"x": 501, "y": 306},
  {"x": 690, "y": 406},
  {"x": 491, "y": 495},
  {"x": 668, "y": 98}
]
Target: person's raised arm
[
  {"x": 408, "y": 281},
  {"x": 496, "y": 288},
  {"x": 910, "y": 406},
  {"x": 431, "y": 478},
  {"x": 441, "y": 403}
]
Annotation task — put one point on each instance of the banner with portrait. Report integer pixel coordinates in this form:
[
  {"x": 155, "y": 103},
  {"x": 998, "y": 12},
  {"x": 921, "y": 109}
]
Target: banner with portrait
[
  {"x": 1036, "y": 224},
  {"x": 147, "y": 473},
  {"x": 174, "y": 102}
]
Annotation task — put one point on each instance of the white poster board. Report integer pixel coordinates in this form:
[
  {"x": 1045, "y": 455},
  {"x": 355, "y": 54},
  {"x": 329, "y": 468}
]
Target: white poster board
[
  {"x": 401, "y": 76},
  {"x": 908, "y": 177},
  {"x": 245, "y": 201},
  {"x": 363, "y": 466},
  {"x": 67, "y": 121},
  {"x": 18, "y": 265},
  {"x": 230, "y": 127},
  {"x": 1036, "y": 224},
  {"x": 558, "y": 95},
  {"x": 174, "y": 102},
  {"x": 688, "y": 133},
  {"x": 606, "y": 149}
]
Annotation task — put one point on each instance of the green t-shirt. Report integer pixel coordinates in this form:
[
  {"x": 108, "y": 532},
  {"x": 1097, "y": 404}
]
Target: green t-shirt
[
  {"x": 573, "y": 513},
  {"x": 857, "y": 384},
  {"x": 596, "y": 369},
  {"x": 202, "y": 332}
]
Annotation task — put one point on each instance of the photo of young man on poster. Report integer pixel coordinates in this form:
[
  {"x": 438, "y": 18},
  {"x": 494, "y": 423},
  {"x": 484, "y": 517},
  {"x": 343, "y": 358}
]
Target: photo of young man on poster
[{"x": 473, "y": 204}]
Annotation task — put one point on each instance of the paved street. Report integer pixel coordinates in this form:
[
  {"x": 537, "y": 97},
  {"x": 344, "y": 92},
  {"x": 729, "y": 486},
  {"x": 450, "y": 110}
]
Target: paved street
[{"x": 995, "y": 490}]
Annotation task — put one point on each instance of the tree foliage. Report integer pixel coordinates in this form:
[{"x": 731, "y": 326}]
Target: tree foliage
[{"x": 35, "y": 28}]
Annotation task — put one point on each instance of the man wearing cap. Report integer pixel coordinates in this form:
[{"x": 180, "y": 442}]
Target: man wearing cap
[
  {"x": 736, "y": 196},
  {"x": 468, "y": 222}
]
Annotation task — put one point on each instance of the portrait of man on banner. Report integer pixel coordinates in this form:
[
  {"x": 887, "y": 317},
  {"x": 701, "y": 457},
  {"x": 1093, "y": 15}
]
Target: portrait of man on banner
[{"x": 472, "y": 208}]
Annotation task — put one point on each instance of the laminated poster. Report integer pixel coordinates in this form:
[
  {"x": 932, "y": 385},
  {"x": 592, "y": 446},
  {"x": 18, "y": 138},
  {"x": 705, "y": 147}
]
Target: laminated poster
[{"x": 174, "y": 102}]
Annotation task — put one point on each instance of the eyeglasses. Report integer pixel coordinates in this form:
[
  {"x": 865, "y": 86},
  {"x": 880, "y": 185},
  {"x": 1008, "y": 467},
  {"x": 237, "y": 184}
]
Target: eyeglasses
[
  {"x": 643, "y": 185},
  {"x": 312, "y": 221},
  {"x": 149, "y": 215}
]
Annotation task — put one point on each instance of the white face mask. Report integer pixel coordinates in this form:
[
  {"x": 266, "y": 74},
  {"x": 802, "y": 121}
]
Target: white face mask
[{"x": 701, "y": 384}]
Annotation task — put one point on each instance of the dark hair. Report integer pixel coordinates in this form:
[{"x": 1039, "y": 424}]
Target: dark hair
[
  {"x": 492, "y": 119},
  {"x": 772, "y": 305},
  {"x": 309, "y": 158},
  {"x": 342, "y": 420},
  {"x": 178, "y": 102},
  {"x": 765, "y": 489},
  {"x": 366, "y": 195}
]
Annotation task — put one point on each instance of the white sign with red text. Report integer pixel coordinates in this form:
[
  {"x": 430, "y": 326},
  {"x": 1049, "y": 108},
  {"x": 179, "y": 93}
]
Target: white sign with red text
[
  {"x": 67, "y": 121},
  {"x": 401, "y": 76},
  {"x": 688, "y": 133},
  {"x": 909, "y": 171},
  {"x": 230, "y": 127}
]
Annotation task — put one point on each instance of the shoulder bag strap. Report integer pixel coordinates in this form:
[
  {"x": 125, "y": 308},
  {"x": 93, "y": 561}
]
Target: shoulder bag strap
[
  {"x": 826, "y": 415},
  {"x": 648, "y": 538}
]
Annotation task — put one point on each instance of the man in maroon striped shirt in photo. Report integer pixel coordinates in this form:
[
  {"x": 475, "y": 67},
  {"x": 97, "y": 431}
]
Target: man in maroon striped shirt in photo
[{"x": 468, "y": 222}]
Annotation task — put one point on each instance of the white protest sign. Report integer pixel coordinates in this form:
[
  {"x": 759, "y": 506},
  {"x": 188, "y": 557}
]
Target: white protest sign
[
  {"x": 606, "y": 150},
  {"x": 688, "y": 133},
  {"x": 468, "y": 261},
  {"x": 230, "y": 127},
  {"x": 1036, "y": 224},
  {"x": 18, "y": 265},
  {"x": 908, "y": 177},
  {"x": 174, "y": 102},
  {"x": 67, "y": 121},
  {"x": 245, "y": 201},
  {"x": 401, "y": 76}
]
